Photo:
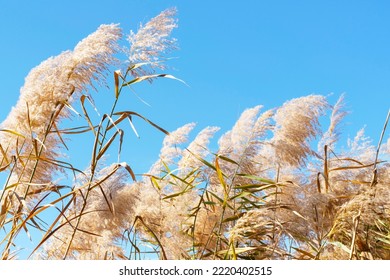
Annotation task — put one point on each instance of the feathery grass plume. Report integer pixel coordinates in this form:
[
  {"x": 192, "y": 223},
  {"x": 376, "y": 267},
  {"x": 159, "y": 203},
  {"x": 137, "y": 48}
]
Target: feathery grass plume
[
  {"x": 257, "y": 144},
  {"x": 151, "y": 42},
  {"x": 348, "y": 170},
  {"x": 243, "y": 129},
  {"x": 331, "y": 136},
  {"x": 363, "y": 224},
  {"x": 48, "y": 88},
  {"x": 184, "y": 228},
  {"x": 235, "y": 140},
  {"x": 239, "y": 145},
  {"x": 244, "y": 142},
  {"x": 164, "y": 224},
  {"x": 164, "y": 216},
  {"x": 206, "y": 232},
  {"x": 198, "y": 147},
  {"x": 170, "y": 150},
  {"x": 361, "y": 147},
  {"x": 257, "y": 228},
  {"x": 109, "y": 211},
  {"x": 237, "y": 149},
  {"x": 296, "y": 122}
]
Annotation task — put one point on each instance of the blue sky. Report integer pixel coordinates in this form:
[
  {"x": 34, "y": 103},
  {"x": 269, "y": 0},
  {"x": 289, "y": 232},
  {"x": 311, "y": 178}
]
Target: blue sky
[{"x": 233, "y": 55}]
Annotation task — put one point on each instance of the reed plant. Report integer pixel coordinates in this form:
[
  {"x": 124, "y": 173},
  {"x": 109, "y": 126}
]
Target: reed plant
[{"x": 278, "y": 186}]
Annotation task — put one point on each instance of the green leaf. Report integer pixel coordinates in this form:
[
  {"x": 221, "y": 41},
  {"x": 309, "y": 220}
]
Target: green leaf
[
  {"x": 174, "y": 195},
  {"x": 256, "y": 178},
  {"x": 12, "y": 132}
]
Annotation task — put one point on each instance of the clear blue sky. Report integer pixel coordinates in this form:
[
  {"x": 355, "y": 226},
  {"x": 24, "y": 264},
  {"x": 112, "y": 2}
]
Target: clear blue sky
[{"x": 233, "y": 55}]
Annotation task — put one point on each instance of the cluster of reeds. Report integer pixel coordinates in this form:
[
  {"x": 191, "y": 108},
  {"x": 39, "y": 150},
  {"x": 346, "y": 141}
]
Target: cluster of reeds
[{"x": 277, "y": 187}]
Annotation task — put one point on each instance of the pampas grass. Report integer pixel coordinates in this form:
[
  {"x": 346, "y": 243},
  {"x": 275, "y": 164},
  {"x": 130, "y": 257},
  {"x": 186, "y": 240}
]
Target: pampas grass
[{"x": 276, "y": 187}]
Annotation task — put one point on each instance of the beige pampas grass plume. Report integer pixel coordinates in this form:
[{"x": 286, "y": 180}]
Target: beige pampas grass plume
[
  {"x": 49, "y": 88},
  {"x": 296, "y": 122},
  {"x": 197, "y": 148},
  {"x": 151, "y": 42},
  {"x": 331, "y": 136}
]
